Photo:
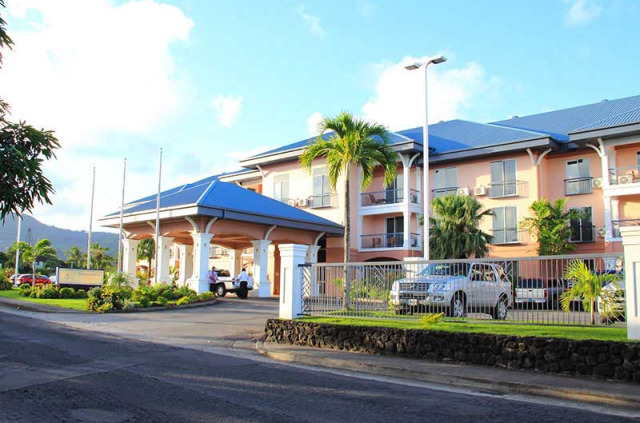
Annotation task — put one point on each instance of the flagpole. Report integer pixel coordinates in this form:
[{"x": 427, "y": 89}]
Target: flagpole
[
  {"x": 157, "y": 240},
  {"x": 124, "y": 178},
  {"x": 93, "y": 189},
  {"x": 15, "y": 278}
]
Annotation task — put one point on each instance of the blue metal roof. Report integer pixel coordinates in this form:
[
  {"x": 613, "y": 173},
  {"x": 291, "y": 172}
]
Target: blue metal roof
[
  {"x": 560, "y": 123},
  {"x": 461, "y": 134}
]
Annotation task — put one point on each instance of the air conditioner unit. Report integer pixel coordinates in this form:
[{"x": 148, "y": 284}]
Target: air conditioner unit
[
  {"x": 624, "y": 179},
  {"x": 463, "y": 191},
  {"x": 302, "y": 202},
  {"x": 291, "y": 202},
  {"x": 596, "y": 182},
  {"x": 601, "y": 232},
  {"x": 480, "y": 191}
]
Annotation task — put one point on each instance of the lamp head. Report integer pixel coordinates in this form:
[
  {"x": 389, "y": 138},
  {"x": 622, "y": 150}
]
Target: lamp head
[
  {"x": 413, "y": 66},
  {"x": 438, "y": 59}
]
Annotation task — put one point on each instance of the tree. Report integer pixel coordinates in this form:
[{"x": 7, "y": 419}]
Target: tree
[
  {"x": 453, "y": 231},
  {"x": 146, "y": 251},
  {"x": 23, "y": 149},
  {"x": 25, "y": 247},
  {"x": 549, "y": 223},
  {"x": 99, "y": 257},
  {"x": 586, "y": 285},
  {"x": 76, "y": 258},
  {"x": 351, "y": 141},
  {"x": 42, "y": 251}
]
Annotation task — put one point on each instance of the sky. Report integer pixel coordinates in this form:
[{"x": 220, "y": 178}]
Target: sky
[{"x": 212, "y": 82}]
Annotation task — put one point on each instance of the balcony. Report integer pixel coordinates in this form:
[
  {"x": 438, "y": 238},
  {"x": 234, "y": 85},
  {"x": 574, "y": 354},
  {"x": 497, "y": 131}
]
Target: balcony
[
  {"x": 389, "y": 196},
  {"x": 441, "y": 192},
  {"x": 582, "y": 232},
  {"x": 617, "y": 224},
  {"x": 508, "y": 236},
  {"x": 624, "y": 175},
  {"x": 508, "y": 189},
  {"x": 577, "y": 186},
  {"x": 388, "y": 240}
]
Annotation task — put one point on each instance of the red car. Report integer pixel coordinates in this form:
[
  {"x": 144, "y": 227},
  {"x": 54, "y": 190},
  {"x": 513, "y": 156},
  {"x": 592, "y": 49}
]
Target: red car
[{"x": 39, "y": 279}]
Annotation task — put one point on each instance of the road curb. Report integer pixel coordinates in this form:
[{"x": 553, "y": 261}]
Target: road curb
[{"x": 504, "y": 388}]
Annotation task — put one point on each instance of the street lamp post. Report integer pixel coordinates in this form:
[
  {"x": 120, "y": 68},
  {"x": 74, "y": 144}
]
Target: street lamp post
[{"x": 425, "y": 147}]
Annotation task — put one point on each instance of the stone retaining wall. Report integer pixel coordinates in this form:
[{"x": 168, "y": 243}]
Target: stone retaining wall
[{"x": 600, "y": 359}]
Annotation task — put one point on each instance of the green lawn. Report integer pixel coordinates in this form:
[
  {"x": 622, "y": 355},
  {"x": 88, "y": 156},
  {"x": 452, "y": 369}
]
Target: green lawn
[
  {"x": 73, "y": 303},
  {"x": 545, "y": 331}
]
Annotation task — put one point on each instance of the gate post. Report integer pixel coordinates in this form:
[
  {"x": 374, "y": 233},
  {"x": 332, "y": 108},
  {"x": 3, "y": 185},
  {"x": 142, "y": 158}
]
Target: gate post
[
  {"x": 291, "y": 257},
  {"x": 631, "y": 243}
]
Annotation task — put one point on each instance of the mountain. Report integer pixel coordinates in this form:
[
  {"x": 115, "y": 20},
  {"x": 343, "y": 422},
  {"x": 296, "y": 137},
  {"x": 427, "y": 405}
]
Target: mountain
[{"x": 61, "y": 239}]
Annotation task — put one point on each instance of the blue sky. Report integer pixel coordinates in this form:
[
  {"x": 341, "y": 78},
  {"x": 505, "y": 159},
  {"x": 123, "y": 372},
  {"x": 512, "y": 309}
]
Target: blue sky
[{"x": 211, "y": 82}]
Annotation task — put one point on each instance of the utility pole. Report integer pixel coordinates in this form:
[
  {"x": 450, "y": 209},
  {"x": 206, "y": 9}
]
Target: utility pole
[{"x": 93, "y": 189}]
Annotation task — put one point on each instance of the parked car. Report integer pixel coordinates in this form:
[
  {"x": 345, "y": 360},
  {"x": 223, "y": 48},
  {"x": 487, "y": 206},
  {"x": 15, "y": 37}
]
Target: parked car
[
  {"x": 226, "y": 283},
  {"x": 539, "y": 292},
  {"x": 611, "y": 302},
  {"x": 27, "y": 278},
  {"x": 454, "y": 288}
]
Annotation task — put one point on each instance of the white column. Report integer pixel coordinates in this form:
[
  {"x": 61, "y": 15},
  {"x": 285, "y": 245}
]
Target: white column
[
  {"x": 291, "y": 257},
  {"x": 164, "y": 259},
  {"x": 631, "y": 243},
  {"x": 419, "y": 182},
  {"x": 312, "y": 257},
  {"x": 199, "y": 281},
  {"x": 359, "y": 232},
  {"x": 260, "y": 266},
  {"x": 407, "y": 229},
  {"x": 186, "y": 263},
  {"x": 608, "y": 225},
  {"x": 235, "y": 261},
  {"x": 129, "y": 259}
]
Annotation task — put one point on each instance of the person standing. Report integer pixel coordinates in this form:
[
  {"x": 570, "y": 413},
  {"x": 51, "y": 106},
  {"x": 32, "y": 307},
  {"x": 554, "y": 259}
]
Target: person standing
[
  {"x": 243, "y": 279},
  {"x": 213, "y": 279}
]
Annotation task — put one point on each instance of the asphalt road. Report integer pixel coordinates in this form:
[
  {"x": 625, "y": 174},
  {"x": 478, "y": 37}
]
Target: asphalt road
[{"x": 50, "y": 373}]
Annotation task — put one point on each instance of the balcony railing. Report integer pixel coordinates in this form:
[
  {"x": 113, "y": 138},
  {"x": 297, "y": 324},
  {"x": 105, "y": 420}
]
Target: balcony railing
[
  {"x": 576, "y": 186},
  {"x": 509, "y": 236},
  {"x": 508, "y": 189},
  {"x": 388, "y": 240},
  {"x": 389, "y": 196},
  {"x": 617, "y": 224},
  {"x": 441, "y": 192},
  {"x": 582, "y": 232},
  {"x": 624, "y": 175},
  {"x": 321, "y": 201}
]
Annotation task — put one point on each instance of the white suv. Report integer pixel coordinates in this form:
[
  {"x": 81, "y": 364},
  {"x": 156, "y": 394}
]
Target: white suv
[{"x": 454, "y": 288}]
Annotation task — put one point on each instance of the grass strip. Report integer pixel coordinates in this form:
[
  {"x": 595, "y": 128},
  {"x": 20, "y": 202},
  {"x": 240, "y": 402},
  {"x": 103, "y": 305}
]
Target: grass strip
[{"x": 71, "y": 303}]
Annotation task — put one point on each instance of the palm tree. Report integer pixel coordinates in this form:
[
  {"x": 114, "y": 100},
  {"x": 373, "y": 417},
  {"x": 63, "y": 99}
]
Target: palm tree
[
  {"x": 75, "y": 257},
  {"x": 346, "y": 141},
  {"x": 99, "y": 257},
  {"x": 146, "y": 251},
  {"x": 549, "y": 223},
  {"x": 41, "y": 251},
  {"x": 586, "y": 285},
  {"x": 454, "y": 232}
]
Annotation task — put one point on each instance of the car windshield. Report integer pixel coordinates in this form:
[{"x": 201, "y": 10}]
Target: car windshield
[{"x": 445, "y": 269}]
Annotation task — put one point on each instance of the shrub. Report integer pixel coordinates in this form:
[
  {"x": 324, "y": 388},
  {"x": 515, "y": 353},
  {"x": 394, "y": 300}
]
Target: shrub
[
  {"x": 205, "y": 296},
  {"x": 162, "y": 301},
  {"x": 116, "y": 296},
  {"x": 25, "y": 292},
  {"x": 431, "y": 319},
  {"x": 104, "y": 308},
  {"x": 119, "y": 280},
  {"x": 128, "y": 305},
  {"x": 67, "y": 293},
  {"x": 25, "y": 287},
  {"x": 184, "y": 300},
  {"x": 47, "y": 293},
  {"x": 161, "y": 288},
  {"x": 184, "y": 291},
  {"x": 145, "y": 291},
  {"x": 144, "y": 302},
  {"x": 80, "y": 293},
  {"x": 169, "y": 294}
]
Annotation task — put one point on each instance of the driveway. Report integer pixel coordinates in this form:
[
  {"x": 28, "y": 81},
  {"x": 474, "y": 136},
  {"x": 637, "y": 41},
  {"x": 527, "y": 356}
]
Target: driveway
[{"x": 218, "y": 325}]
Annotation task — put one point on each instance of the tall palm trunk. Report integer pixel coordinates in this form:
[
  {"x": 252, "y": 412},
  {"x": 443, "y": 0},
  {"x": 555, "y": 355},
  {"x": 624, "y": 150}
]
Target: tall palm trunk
[{"x": 347, "y": 239}]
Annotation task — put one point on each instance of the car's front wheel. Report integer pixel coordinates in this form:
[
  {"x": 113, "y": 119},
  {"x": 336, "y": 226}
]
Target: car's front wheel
[
  {"x": 221, "y": 291},
  {"x": 457, "y": 307},
  {"x": 501, "y": 309}
]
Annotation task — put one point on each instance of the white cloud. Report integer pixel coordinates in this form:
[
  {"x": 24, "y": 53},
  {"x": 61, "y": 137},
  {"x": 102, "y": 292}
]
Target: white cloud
[
  {"x": 581, "y": 12},
  {"x": 227, "y": 109},
  {"x": 312, "y": 21},
  {"x": 366, "y": 9},
  {"x": 88, "y": 67},
  {"x": 312, "y": 123},
  {"x": 399, "y": 98}
]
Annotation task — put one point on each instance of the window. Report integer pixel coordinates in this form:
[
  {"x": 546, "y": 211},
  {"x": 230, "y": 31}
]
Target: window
[
  {"x": 578, "y": 177},
  {"x": 582, "y": 228},
  {"x": 638, "y": 159},
  {"x": 321, "y": 191},
  {"x": 281, "y": 187},
  {"x": 505, "y": 225},
  {"x": 395, "y": 192},
  {"x": 446, "y": 181},
  {"x": 503, "y": 178},
  {"x": 395, "y": 231}
]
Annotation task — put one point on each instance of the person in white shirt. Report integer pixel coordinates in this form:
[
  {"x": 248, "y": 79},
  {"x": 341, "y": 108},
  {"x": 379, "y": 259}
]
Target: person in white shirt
[{"x": 243, "y": 279}]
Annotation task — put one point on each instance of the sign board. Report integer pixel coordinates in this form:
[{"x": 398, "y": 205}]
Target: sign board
[{"x": 82, "y": 277}]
